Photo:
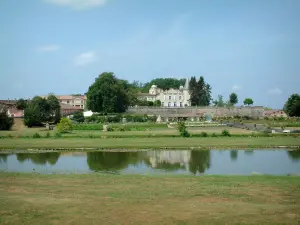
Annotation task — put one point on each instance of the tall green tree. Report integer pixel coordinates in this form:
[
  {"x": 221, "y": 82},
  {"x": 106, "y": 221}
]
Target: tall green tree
[
  {"x": 54, "y": 107},
  {"x": 248, "y": 101},
  {"x": 107, "y": 94},
  {"x": 292, "y": 105},
  {"x": 200, "y": 92},
  {"x": 193, "y": 90},
  {"x": 6, "y": 122},
  {"x": 233, "y": 98}
]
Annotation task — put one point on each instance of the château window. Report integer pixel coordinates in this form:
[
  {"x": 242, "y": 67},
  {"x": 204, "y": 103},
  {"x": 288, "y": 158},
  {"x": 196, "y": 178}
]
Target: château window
[{"x": 170, "y": 97}]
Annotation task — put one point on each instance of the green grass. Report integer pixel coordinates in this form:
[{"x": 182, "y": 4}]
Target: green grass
[
  {"x": 135, "y": 199},
  {"x": 142, "y": 143}
]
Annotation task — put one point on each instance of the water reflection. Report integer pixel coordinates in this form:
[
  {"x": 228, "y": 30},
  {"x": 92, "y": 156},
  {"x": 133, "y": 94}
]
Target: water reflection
[
  {"x": 249, "y": 152},
  {"x": 168, "y": 160},
  {"x": 199, "y": 161},
  {"x": 112, "y": 161},
  {"x": 233, "y": 155},
  {"x": 184, "y": 162},
  {"x": 39, "y": 158},
  {"x": 3, "y": 158},
  {"x": 294, "y": 155}
]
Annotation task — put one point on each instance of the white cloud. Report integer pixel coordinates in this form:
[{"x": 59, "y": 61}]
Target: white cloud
[
  {"x": 48, "y": 48},
  {"x": 236, "y": 87},
  {"x": 85, "y": 58},
  {"x": 78, "y": 4},
  {"x": 275, "y": 91}
]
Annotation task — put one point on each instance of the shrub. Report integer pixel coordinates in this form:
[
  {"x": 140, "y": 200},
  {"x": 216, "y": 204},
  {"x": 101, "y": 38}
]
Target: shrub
[
  {"x": 214, "y": 135},
  {"x": 58, "y": 135},
  {"x": 65, "y": 125},
  {"x": 9, "y": 136},
  {"x": 225, "y": 133},
  {"x": 85, "y": 126},
  {"x": 48, "y": 135},
  {"x": 110, "y": 129},
  {"x": 78, "y": 117},
  {"x": 6, "y": 122},
  {"x": 203, "y": 134},
  {"x": 182, "y": 129},
  {"x": 36, "y": 135}
]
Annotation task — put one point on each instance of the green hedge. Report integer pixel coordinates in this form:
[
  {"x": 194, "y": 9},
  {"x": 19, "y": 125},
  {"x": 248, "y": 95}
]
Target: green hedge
[{"x": 85, "y": 126}]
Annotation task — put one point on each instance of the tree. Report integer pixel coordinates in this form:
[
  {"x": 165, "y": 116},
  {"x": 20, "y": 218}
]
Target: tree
[
  {"x": 65, "y": 125},
  {"x": 292, "y": 105},
  {"x": 21, "y": 104},
  {"x": 248, "y": 101},
  {"x": 6, "y": 122},
  {"x": 164, "y": 83},
  {"x": 40, "y": 110},
  {"x": 233, "y": 98},
  {"x": 32, "y": 115},
  {"x": 78, "y": 117},
  {"x": 54, "y": 108},
  {"x": 107, "y": 94},
  {"x": 157, "y": 103},
  {"x": 219, "y": 102},
  {"x": 200, "y": 92},
  {"x": 193, "y": 90}
]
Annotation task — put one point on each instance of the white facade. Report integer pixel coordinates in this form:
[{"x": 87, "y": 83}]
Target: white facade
[{"x": 169, "y": 98}]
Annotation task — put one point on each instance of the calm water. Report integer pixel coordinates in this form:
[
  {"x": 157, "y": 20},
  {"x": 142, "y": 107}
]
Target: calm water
[{"x": 277, "y": 162}]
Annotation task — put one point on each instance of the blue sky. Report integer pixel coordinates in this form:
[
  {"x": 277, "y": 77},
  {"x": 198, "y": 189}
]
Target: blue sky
[{"x": 61, "y": 46}]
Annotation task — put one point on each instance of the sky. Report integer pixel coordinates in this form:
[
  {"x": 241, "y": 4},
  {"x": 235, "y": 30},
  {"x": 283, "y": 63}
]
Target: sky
[{"x": 251, "y": 48}]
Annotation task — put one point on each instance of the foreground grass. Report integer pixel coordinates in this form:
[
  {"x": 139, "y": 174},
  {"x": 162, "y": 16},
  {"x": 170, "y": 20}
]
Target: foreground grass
[
  {"x": 126, "y": 199},
  {"x": 143, "y": 143}
]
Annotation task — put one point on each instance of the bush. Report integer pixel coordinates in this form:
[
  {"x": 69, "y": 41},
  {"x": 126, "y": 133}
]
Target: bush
[
  {"x": 6, "y": 122},
  {"x": 225, "y": 133},
  {"x": 64, "y": 126},
  {"x": 48, "y": 135},
  {"x": 214, "y": 135},
  {"x": 203, "y": 134},
  {"x": 86, "y": 126},
  {"x": 182, "y": 129},
  {"x": 36, "y": 135},
  {"x": 58, "y": 135},
  {"x": 110, "y": 129},
  {"x": 78, "y": 117}
]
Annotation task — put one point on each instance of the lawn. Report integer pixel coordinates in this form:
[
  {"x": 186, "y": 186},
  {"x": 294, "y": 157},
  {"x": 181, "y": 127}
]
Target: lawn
[
  {"x": 86, "y": 133},
  {"x": 142, "y": 143},
  {"x": 134, "y": 199}
]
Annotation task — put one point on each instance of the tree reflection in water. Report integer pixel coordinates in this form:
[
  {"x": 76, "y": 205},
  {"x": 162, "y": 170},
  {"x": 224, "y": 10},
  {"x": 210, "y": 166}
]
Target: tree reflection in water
[
  {"x": 233, "y": 155},
  {"x": 111, "y": 161},
  {"x": 3, "y": 158},
  {"x": 39, "y": 158},
  {"x": 294, "y": 155},
  {"x": 199, "y": 161}
]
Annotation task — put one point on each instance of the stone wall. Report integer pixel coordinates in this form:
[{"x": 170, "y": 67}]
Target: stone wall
[{"x": 199, "y": 111}]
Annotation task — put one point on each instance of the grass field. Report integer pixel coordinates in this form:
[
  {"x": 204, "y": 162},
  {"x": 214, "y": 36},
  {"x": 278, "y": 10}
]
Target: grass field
[
  {"x": 142, "y": 143},
  {"x": 166, "y": 131},
  {"x": 133, "y": 199}
]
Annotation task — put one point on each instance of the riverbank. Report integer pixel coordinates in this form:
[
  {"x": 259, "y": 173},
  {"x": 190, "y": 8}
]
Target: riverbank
[
  {"x": 134, "y": 199},
  {"x": 150, "y": 143}
]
